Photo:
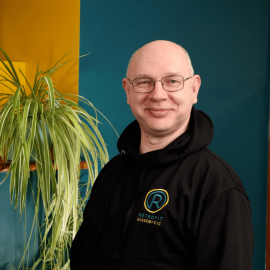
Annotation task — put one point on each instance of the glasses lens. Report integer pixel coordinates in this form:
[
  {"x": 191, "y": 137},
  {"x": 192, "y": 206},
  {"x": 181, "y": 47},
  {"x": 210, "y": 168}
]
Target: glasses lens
[
  {"x": 173, "y": 83},
  {"x": 143, "y": 85}
]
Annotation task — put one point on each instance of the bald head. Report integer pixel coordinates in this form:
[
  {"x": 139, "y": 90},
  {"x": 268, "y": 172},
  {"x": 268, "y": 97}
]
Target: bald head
[{"x": 159, "y": 47}]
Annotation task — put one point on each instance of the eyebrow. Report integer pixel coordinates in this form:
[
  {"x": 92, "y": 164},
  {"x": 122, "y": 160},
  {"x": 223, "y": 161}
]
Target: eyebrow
[
  {"x": 143, "y": 75},
  {"x": 166, "y": 74},
  {"x": 173, "y": 73}
]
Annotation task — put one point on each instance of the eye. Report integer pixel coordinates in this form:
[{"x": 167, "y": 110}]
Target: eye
[
  {"x": 171, "y": 81},
  {"x": 144, "y": 82}
]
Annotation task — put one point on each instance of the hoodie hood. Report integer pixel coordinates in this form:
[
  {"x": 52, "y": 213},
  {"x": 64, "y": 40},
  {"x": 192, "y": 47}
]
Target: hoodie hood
[{"x": 198, "y": 136}]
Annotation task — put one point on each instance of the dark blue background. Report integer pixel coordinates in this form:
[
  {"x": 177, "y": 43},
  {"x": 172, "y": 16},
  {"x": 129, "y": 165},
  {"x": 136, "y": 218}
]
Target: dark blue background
[{"x": 228, "y": 45}]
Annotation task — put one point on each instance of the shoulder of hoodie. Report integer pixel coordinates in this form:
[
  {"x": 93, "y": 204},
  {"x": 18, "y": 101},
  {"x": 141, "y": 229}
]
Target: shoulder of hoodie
[
  {"x": 107, "y": 172},
  {"x": 102, "y": 182},
  {"x": 223, "y": 178}
]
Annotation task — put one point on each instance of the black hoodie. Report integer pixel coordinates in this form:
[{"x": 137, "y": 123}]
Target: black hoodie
[{"x": 181, "y": 207}]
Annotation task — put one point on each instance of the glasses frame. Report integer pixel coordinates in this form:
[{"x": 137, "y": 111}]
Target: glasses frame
[{"x": 184, "y": 79}]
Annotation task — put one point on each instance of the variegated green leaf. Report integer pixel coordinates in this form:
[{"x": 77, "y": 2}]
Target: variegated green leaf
[{"x": 27, "y": 123}]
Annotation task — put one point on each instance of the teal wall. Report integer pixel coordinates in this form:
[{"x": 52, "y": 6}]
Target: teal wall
[
  {"x": 228, "y": 45},
  {"x": 15, "y": 230}
]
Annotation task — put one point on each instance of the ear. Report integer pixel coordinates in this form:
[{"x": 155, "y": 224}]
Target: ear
[
  {"x": 126, "y": 85},
  {"x": 196, "y": 87}
]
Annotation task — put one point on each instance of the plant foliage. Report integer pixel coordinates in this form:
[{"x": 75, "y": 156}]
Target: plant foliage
[{"x": 27, "y": 123}]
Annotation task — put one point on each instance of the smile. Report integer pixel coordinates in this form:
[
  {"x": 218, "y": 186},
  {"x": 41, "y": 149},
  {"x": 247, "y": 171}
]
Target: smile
[{"x": 158, "y": 112}]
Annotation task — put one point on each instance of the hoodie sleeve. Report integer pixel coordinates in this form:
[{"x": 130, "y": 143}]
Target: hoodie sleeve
[
  {"x": 79, "y": 241},
  {"x": 81, "y": 236},
  {"x": 76, "y": 248},
  {"x": 84, "y": 241},
  {"x": 225, "y": 235}
]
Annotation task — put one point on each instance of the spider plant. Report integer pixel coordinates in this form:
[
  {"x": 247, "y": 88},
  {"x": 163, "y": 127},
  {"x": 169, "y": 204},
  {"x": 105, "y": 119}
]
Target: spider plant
[{"x": 27, "y": 123}]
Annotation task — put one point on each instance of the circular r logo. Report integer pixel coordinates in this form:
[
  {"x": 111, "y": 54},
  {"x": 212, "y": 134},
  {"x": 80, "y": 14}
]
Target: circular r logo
[{"x": 155, "y": 200}]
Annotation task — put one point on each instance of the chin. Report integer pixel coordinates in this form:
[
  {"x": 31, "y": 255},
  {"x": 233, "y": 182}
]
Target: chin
[
  {"x": 159, "y": 127},
  {"x": 155, "y": 125}
]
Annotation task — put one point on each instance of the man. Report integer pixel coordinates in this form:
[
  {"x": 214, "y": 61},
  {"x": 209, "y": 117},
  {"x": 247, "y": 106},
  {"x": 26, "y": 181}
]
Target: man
[{"x": 166, "y": 202}]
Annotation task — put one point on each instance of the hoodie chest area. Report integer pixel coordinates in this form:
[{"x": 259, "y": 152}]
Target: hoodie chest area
[
  {"x": 171, "y": 190},
  {"x": 164, "y": 212},
  {"x": 166, "y": 196}
]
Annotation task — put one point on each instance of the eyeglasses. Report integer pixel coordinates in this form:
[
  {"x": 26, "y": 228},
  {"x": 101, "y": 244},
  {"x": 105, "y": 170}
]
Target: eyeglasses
[{"x": 169, "y": 83}]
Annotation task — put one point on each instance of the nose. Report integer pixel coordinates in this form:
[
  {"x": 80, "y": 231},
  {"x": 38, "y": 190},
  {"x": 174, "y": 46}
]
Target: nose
[
  {"x": 158, "y": 93},
  {"x": 158, "y": 81}
]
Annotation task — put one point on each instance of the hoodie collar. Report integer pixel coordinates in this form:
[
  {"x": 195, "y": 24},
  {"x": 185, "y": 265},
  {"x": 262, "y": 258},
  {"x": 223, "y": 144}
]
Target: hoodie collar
[{"x": 198, "y": 136}]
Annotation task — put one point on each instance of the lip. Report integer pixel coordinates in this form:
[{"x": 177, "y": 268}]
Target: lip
[{"x": 158, "y": 112}]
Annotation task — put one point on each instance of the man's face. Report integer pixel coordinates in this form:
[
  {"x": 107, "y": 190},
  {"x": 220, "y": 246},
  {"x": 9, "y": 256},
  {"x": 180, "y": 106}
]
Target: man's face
[{"x": 161, "y": 113}]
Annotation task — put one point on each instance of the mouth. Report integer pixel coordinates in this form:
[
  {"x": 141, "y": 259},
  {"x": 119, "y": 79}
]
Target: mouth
[{"x": 158, "y": 112}]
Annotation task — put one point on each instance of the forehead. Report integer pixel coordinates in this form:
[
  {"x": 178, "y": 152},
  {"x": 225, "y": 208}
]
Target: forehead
[{"x": 160, "y": 60}]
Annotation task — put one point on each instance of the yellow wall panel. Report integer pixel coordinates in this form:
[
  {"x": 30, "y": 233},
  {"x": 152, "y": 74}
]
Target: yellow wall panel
[
  {"x": 18, "y": 66},
  {"x": 43, "y": 31}
]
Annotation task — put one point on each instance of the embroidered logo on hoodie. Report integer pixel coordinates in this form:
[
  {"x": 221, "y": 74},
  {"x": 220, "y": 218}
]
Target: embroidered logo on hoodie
[
  {"x": 155, "y": 200},
  {"x": 150, "y": 219}
]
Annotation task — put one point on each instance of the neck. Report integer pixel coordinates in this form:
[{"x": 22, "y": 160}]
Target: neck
[{"x": 150, "y": 142}]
